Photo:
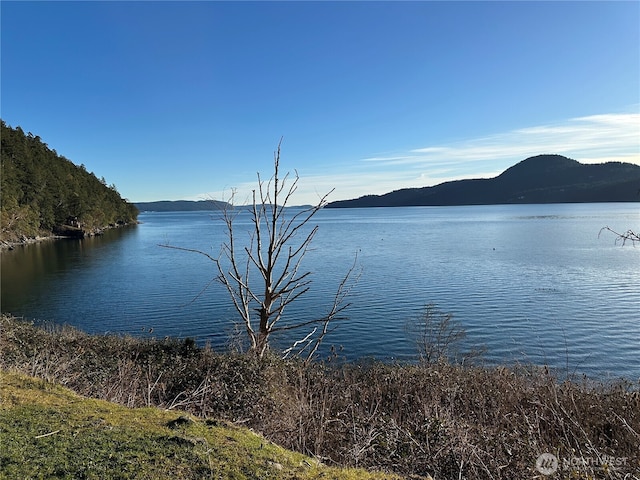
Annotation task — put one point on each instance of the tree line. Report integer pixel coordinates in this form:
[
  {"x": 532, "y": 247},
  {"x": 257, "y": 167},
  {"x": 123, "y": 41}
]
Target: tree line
[{"x": 43, "y": 191}]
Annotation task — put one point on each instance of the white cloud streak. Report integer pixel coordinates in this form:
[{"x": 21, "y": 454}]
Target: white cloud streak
[{"x": 589, "y": 139}]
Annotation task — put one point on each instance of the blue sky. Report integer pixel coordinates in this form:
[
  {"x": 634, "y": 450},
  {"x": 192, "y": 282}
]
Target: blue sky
[{"x": 188, "y": 100}]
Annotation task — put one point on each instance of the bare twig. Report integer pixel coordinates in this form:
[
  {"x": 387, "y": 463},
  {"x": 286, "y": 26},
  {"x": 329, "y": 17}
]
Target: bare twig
[{"x": 628, "y": 236}]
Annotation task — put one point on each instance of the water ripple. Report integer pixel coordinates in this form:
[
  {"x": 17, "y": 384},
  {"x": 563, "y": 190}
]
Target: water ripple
[{"x": 532, "y": 283}]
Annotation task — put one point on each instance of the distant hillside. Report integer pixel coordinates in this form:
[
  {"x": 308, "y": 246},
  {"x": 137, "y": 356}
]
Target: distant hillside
[
  {"x": 193, "y": 206},
  {"x": 43, "y": 192},
  {"x": 181, "y": 206},
  {"x": 539, "y": 179}
]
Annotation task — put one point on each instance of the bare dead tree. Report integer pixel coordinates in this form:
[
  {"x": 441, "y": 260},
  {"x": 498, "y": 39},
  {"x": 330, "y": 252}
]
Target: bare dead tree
[{"x": 265, "y": 276}]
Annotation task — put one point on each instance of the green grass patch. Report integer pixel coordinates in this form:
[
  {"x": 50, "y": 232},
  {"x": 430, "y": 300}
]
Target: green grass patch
[{"x": 47, "y": 431}]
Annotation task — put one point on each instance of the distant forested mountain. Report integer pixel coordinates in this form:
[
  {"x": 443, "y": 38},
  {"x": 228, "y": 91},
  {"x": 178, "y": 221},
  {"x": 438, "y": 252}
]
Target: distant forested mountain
[
  {"x": 539, "y": 179},
  {"x": 181, "y": 206},
  {"x": 43, "y": 192}
]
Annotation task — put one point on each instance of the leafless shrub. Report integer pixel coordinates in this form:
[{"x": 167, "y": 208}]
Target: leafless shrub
[{"x": 439, "y": 337}]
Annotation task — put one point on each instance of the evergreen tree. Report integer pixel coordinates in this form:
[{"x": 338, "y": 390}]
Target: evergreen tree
[{"x": 43, "y": 191}]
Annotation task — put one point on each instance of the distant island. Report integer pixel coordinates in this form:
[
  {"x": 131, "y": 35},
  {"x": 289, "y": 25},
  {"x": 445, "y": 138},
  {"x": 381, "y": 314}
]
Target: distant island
[
  {"x": 194, "y": 206},
  {"x": 182, "y": 206},
  {"x": 539, "y": 179}
]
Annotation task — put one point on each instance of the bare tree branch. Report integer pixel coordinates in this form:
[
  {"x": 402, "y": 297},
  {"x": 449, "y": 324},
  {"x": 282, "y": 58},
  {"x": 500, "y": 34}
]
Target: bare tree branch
[
  {"x": 278, "y": 243},
  {"x": 628, "y": 236}
]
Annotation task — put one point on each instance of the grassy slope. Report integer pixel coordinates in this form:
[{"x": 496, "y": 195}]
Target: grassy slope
[{"x": 47, "y": 431}]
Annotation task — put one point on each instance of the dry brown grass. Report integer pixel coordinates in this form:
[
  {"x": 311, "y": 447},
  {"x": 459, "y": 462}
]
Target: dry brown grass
[{"x": 441, "y": 419}]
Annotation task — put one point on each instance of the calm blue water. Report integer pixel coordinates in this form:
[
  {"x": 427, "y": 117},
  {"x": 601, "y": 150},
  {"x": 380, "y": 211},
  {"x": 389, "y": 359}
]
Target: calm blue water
[{"x": 531, "y": 283}]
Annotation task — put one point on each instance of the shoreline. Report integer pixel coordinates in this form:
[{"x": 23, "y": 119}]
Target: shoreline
[
  {"x": 8, "y": 245},
  {"x": 23, "y": 241}
]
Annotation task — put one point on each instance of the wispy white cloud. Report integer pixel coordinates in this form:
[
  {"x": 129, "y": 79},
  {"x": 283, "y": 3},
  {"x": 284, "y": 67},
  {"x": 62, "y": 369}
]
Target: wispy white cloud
[{"x": 589, "y": 139}]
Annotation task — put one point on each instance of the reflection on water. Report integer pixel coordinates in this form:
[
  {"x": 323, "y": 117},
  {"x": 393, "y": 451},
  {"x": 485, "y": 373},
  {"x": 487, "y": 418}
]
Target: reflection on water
[{"x": 31, "y": 273}]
